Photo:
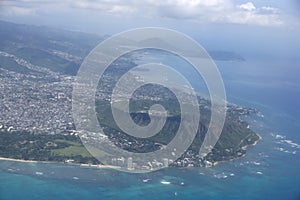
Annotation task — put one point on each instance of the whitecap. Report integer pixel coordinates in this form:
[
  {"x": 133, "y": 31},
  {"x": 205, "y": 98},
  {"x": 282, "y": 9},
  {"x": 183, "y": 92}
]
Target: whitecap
[
  {"x": 146, "y": 180},
  {"x": 292, "y": 144},
  {"x": 256, "y": 163},
  {"x": 39, "y": 173},
  {"x": 165, "y": 182},
  {"x": 279, "y": 136},
  {"x": 219, "y": 176}
]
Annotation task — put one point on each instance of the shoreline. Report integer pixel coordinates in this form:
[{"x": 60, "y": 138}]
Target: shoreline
[
  {"x": 18, "y": 160},
  {"x": 112, "y": 166},
  {"x": 64, "y": 163},
  {"x": 245, "y": 147}
]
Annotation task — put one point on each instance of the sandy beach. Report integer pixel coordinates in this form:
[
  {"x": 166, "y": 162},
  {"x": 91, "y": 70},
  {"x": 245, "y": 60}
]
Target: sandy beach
[
  {"x": 18, "y": 160},
  {"x": 48, "y": 162},
  {"x": 104, "y": 166}
]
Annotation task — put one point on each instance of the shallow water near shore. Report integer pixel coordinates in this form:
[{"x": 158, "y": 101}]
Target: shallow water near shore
[{"x": 265, "y": 171}]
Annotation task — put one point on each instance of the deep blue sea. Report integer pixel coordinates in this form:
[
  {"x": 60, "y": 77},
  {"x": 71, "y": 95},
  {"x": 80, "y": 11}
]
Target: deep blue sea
[{"x": 270, "y": 170}]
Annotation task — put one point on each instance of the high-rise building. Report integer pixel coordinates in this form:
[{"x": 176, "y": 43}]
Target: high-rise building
[
  {"x": 166, "y": 162},
  {"x": 129, "y": 163}
]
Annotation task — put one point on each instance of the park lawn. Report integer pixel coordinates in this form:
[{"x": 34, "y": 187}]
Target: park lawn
[{"x": 73, "y": 150}]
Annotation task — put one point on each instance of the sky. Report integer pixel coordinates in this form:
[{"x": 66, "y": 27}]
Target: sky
[{"x": 229, "y": 24}]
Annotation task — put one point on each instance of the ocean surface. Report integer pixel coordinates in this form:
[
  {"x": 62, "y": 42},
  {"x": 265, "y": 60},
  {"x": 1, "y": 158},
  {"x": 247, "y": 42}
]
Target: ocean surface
[{"x": 270, "y": 170}]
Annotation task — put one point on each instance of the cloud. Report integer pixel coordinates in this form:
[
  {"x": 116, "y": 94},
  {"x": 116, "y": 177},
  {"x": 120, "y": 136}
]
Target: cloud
[
  {"x": 30, "y": 1},
  {"x": 19, "y": 11},
  {"x": 188, "y": 9},
  {"x": 248, "y": 14},
  {"x": 113, "y": 7},
  {"x": 220, "y": 11},
  {"x": 201, "y": 11},
  {"x": 247, "y": 6}
]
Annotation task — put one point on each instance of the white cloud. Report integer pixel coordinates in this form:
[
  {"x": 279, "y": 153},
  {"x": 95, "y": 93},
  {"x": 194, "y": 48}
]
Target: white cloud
[
  {"x": 114, "y": 6},
  {"x": 207, "y": 11},
  {"x": 19, "y": 11},
  {"x": 221, "y": 11},
  {"x": 249, "y": 14},
  {"x": 254, "y": 19},
  {"x": 189, "y": 3},
  {"x": 247, "y": 6},
  {"x": 187, "y": 9}
]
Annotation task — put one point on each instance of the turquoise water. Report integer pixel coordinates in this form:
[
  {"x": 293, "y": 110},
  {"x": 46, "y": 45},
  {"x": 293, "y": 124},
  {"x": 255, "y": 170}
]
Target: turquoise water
[{"x": 270, "y": 170}]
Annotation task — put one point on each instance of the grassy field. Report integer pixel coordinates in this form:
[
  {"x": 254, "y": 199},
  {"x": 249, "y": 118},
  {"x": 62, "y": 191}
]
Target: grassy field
[{"x": 73, "y": 150}]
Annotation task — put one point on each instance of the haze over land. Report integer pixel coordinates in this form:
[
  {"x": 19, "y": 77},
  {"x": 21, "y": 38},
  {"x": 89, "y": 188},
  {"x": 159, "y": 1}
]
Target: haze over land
[{"x": 250, "y": 28}]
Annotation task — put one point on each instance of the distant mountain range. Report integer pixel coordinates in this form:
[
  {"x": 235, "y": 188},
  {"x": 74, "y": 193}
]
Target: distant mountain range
[{"x": 56, "y": 49}]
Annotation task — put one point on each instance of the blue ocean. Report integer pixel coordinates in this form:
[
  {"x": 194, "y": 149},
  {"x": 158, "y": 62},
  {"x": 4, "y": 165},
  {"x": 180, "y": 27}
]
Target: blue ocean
[{"x": 270, "y": 170}]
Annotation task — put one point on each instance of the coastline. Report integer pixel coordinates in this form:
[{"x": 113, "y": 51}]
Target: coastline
[
  {"x": 18, "y": 160},
  {"x": 49, "y": 162},
  {"x": 112, "y": 166},
  {"x": 244, "y": 147},
  {"x": 255, "y": 143}
]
